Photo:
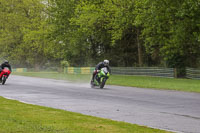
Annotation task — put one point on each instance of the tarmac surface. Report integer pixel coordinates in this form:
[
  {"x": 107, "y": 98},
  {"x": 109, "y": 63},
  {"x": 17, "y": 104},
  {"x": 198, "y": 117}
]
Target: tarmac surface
[{"x": 163, "y": 109}]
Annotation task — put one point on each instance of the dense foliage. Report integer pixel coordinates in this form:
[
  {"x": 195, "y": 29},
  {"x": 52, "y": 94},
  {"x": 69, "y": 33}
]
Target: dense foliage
[{"x": 38, "y": 33}]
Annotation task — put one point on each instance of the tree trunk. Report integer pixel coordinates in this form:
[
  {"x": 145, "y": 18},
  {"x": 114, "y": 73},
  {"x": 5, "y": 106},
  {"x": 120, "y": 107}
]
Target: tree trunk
[
  {"x": 37, "y": 67},
  {"x": 139, "y": 49}
]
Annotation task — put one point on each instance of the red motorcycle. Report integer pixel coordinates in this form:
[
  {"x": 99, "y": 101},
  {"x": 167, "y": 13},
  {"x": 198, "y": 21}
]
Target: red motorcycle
[{"x": 4, "y": 75}]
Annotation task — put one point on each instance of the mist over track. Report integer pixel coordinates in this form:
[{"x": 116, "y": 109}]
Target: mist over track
[{"x": 170, "y": 110}]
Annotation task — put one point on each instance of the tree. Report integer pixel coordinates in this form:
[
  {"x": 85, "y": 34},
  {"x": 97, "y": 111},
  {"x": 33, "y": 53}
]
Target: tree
[
  {"x": 23, "y": 32},
  {"x": 108, "y": 26},
  {"x": 170, "y": 29}
]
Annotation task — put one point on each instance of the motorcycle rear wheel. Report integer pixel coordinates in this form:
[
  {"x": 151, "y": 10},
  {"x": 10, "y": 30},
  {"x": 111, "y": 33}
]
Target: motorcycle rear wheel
[{"x": 92, "y": 84}]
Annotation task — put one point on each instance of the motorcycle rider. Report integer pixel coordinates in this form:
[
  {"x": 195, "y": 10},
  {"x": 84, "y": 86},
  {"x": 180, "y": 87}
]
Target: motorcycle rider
[
  {"x": 100, "y": 65},
  {"x": 3, "y": 65}
]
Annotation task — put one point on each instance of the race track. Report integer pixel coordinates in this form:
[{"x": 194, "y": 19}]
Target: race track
[{"x": 169, "y": 110}]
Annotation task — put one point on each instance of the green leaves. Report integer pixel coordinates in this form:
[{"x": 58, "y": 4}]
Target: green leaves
[
  {"x": 85, "y": 32},
  {"x": 170, "y": 26},
  {"x": 24, "y": 32}
]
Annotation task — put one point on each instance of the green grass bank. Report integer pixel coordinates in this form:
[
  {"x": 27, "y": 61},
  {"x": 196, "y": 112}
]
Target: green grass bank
[
  {"x": 188, "y": 85},
  {"x": 16, "y": 117}
]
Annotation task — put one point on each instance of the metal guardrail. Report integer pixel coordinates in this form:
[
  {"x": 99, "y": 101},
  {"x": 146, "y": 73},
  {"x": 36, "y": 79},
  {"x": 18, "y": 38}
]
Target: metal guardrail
[
  {"x": 192, "y": 73},
  {"x": 138, "y": 71},
  {"x": 144, "y": 71},
  {"x": 19, "y": 70},
  {"x": 79, "y": 70}
]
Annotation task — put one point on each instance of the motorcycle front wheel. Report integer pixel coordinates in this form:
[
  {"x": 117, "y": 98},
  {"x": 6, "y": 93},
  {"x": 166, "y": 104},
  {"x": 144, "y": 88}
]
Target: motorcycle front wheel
[
  {"x": 3, "y": 80},
  {"x": 103, "y": 83}
]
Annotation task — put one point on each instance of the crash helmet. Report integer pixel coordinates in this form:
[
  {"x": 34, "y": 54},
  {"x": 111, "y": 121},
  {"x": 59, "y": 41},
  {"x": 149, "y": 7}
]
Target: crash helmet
[
  {"x": 6, "y": 61},
  {"x": 106, "y": 62}
]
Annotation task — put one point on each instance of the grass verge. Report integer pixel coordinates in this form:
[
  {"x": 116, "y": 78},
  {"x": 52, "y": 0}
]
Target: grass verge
[
  {"x": 187, "y": 85},
  {"x": 16, "y": 117}
]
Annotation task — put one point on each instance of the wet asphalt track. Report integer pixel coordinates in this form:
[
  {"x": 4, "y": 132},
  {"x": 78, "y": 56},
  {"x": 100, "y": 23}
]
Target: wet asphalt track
[{"x": 169, "y": 110}]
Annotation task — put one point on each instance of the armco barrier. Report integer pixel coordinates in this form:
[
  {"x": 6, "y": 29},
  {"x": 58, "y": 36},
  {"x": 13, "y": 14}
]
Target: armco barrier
[
  {"x": 143, "y": 71},
  {"x": 79, "y": 70},
  {"x": 86, "y": 70},
  {"x": 19, "y": 70},
  {"x": 192, "y": 73},
  {"x": 70, "y": 70}
]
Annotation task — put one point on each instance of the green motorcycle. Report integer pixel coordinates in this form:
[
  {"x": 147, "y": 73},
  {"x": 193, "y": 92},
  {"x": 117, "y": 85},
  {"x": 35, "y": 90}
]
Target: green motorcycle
[{"x": 100, "y": 78}]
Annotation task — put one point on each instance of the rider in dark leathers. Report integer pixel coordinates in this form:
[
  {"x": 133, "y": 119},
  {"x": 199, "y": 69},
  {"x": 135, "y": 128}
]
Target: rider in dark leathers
[
  {"x": 103, "y": 64},
  {"x": 3, "y": 65}
]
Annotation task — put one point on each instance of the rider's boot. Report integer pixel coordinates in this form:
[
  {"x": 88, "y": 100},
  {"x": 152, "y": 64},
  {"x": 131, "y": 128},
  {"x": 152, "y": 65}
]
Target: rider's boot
[{"x": 93, "y": 77}]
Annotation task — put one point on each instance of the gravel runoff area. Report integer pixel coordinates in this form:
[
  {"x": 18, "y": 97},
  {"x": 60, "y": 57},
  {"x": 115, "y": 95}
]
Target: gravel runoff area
[{"x": 168, "y": 110}]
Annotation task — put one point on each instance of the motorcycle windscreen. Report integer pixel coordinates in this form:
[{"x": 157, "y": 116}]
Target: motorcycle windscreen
[{"x": 105, "y": 70}]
